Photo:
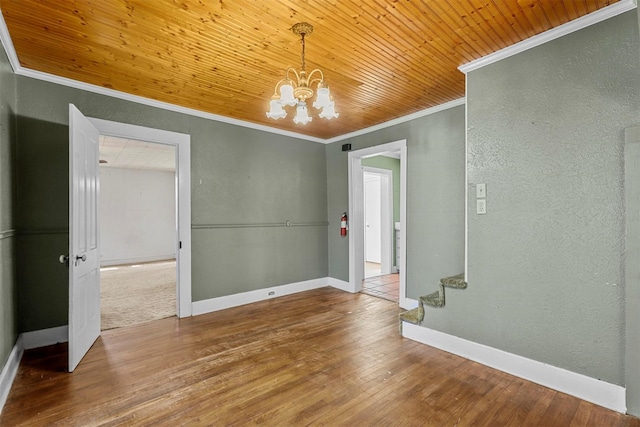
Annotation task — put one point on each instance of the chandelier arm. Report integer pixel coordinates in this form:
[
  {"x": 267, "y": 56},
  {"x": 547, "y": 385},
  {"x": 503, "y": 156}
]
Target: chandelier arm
[
  {"x": 293, "y": 70},
  {"x": 275, "y": 90},
  {"x": 312, "y": 80}
]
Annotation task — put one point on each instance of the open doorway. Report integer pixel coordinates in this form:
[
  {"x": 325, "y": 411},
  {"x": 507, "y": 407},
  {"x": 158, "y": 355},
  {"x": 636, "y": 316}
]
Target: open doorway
[
  {"x": 137, "y": 224},
  {"x": 380, "y": 203},
  {"x": 182, "y": 231},
  {"x": 372, "y": 225},
  {"x": 84, "y": 225},
  {"x": 381, "y": 278},
  {"x": 395, "y": 221}
]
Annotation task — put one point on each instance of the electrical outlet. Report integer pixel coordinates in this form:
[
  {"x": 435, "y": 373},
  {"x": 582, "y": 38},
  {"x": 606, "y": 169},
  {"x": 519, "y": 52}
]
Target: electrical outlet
[
  {"x": 481, "y": 206},
  {"x": 481, "y": 191},
  {"x": 288, "y": 223}
]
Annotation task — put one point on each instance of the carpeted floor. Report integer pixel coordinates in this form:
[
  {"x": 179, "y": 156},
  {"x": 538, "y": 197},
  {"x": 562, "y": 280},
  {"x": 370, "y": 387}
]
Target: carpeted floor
[{"x": 133, "y": 294}]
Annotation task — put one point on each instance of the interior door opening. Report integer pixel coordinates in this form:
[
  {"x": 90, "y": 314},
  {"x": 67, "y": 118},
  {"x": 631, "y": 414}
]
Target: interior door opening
[
  {"x": 396, "y": 243},
  {"x": 372, "y": 226},
  {"x": 180, "y": 145},
  {"x": 84, "y": 224},
  {"x": 381, "y": 278},
  {"x": 379, "y": 207},
  {"x": 138, "y": 281}
]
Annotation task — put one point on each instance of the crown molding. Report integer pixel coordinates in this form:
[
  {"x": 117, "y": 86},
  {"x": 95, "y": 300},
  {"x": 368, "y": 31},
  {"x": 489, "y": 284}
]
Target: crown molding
[
  {"x": 215, "y": 117},
  {"x": 7, "y": 43},
  {"x": 158, "y": 104},
  {"x": 552, "y": 34},
  {"x": 416, "y": 115},
  {"x": 593, "y": 18}
]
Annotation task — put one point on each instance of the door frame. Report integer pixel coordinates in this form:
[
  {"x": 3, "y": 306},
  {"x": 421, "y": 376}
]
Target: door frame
[
  {"x": 632, "y": 268},
  {"x": 356, "y": 210},
  {"x": 182, "y": 142},
  {"x": 386, "y": 216}
]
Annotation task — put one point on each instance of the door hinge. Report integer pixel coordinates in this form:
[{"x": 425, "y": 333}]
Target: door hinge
[{"x": 180, "y": 245}]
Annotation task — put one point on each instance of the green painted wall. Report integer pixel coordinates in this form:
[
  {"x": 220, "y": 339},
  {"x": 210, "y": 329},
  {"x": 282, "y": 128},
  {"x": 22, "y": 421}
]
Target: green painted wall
[
  {"x": 435, "y": 197},
  {"x": 546, "y": 134},
  {"x": 239, "y": 176},
  {"x": 8, "y": 283},
  {"x": 389, "y": 163}
]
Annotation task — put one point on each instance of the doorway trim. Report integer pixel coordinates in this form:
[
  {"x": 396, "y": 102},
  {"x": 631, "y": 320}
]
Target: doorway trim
[
  {"x": 632, "y": 268},
  {"x": 386, "y": 217},
  {"x": 356, "y": 210},
  {"x": 182, "y": 142}
]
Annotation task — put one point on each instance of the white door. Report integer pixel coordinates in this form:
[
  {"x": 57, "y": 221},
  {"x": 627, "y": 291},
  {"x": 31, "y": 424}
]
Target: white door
[
  {"x": 372, "y": 231},
  {"x": 84, "y": 263}
]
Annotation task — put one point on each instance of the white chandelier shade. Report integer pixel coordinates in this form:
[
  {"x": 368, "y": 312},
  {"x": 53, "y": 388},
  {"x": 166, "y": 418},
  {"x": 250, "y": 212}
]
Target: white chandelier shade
[
  {"x": 322, "y": 97},
  {"x": 286, "y": 95},
  {"x": 329, "y": 111},
  {"x": 296, "y": 89},
  {"x": 301, "y": 114},
  {"x": 276, "y": 111}
]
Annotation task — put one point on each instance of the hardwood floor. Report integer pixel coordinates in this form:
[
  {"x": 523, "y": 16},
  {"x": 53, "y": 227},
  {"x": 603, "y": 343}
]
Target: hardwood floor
[{"x": 322, "y": 357}]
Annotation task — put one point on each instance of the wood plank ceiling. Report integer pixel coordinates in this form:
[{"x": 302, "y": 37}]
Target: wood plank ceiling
[{"x": 382, "y": 59}]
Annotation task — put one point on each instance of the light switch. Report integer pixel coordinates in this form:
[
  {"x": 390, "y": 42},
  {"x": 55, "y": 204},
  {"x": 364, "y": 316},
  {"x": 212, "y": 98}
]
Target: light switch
[
  {"x": 481, "y": 206},
  {"x": 481, "y": 191}
]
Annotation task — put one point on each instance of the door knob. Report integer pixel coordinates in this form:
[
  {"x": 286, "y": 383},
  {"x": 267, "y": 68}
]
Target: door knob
[
  {"x": 80, "y": 258},
  {"x": 64, "y": 259}
]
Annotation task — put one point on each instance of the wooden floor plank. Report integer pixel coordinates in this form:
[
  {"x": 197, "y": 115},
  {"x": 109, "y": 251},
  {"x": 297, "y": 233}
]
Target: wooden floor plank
[{"x": 322, "y": 357}]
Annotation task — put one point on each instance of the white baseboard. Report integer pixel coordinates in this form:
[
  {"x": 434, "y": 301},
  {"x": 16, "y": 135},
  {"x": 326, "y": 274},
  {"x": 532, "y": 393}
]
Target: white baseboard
[
  {"x": 590, "y": 389},
  {"x": 45, "y": 337},
  {"x": 339, "y": 284},
  {"x": 140, "y": 260},
  {"x": 10, "y": 370},
  {"x": 27, "y": 341},
  {"x": 235, "y": 300}
]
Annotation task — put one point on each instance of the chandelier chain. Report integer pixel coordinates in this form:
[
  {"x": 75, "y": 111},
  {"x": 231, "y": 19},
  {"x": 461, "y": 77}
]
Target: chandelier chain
[{"x": 302, "y": 67}]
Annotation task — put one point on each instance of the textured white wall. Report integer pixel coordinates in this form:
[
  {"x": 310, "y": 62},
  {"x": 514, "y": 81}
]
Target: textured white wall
[
  {"x": 546, "y": 134},
  {"x": 137, "y": 215}
]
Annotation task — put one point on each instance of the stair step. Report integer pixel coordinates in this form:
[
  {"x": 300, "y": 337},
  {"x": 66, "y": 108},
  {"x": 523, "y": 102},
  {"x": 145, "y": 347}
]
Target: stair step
[
  {"x": 414, "y": 316},
  {"x": 435, "y": 299},
  {"x": 454, "y": 281}
]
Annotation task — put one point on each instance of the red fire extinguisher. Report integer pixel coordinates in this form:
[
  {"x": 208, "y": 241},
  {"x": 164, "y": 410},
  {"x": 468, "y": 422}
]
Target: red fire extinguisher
[{"x": 343, "y": 224}]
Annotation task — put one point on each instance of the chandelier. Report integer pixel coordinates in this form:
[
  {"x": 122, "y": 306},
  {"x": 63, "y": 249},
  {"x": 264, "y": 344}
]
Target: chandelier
[{"x": 296, "y": 90}]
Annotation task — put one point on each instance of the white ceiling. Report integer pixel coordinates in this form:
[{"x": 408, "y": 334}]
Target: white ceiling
[{"x": 132, "y": 154}]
